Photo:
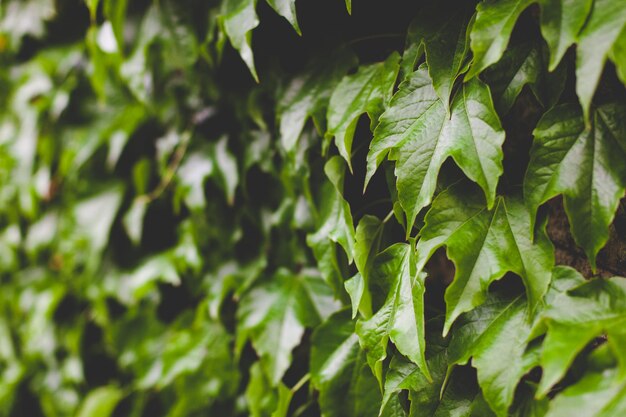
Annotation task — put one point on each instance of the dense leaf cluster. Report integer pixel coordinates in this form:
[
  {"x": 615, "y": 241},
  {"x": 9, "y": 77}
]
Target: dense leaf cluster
[{"x": 229, "y": 208}]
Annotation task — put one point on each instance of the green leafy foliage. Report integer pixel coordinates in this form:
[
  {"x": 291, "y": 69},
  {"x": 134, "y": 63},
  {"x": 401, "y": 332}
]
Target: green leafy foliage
[{"x": 275, "y": 208}]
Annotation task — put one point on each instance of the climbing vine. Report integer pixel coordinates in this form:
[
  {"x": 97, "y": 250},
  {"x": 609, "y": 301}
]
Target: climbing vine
[{"x": 280, "y": 208}]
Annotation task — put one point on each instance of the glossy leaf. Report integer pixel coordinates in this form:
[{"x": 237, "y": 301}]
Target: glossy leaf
[
  {"x": 366, "y": 246},
  {"x": 340, "y": 372},
  {"x": 495, "y": 336},
  {"x": 585, "y": 165},
  {"x": 401, "y": 317},
  {"x": 287, "y": 9},
  {"x": 419, "y": 136},
  {"x": 492, "y": 29},
  {"x": 275, "y": 315},
  {"x": 484, "y": 245},
  {"x": 367, "y": 91},
  {"x": 561, "y": 22},
  {"x": 597, "y": 394},
  {"x": 308, "y": 94},
  {"x": 238, "y": 18},
  {"x": 574, "y": 319},
  {"x": 606, "y": 22},
  {"x": 335, "y": 222},
  {"x": 445, "y": 38}
]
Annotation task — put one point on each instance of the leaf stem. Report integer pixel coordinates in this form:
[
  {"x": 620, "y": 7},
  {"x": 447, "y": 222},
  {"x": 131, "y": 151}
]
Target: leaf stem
[{"x": 300, "y": 383}]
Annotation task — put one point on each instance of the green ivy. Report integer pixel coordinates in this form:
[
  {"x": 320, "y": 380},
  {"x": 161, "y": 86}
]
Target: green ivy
[{"x": 279, "y": 208}]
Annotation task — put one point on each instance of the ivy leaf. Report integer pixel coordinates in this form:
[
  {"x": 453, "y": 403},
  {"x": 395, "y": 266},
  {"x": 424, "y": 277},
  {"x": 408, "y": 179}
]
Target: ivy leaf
[
  {"x": 401, "y": 318},
  {"x": 574, "y": 319},
  {"x": 287, "y": 9},
  {"x": 597, "y": 394},
  {"x": 115, "y": 11},
  {"x": 237, "y": 19},
  {"x": 405, "y": 375},
  {"x": 307, "y": 95},
  {"x": 100, "y": 402},
  {"x": 260, "y": 396},
  {"x": 585, "y": 165},
  {"x": 366, "y": 247},
  {"x": 367, "y": 91},
  {"x": 519, "y": 66},
  {"x": 442, "y": 28},
  {"x": 340, "y": 372},
  {"x": 417, "y": 133},
  {"x": 606, "y": 22},
  {"x": 495, "y": 335},
  {"x": 335, "y": 222},
  {"x": 192, "y": 173},
  {"x": 561, "y": 21},
  {"x": 495, "y": 20},
  {"x": 275, "y": 314},
  {"x": 461, "y": 396},
  {"x": 484, "y": 245},
  {"x": 618, "y": 55}
]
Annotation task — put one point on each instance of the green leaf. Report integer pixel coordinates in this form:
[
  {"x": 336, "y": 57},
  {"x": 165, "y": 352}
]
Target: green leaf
[
  {"x": 585, "y": 165},
  {"x": 405, "y": 375},
  {"x": 574, "y": 319},
  {"x": 561, "y": 22},
  {"x": 461, "y": 397},
  {"x": 284, "y": 400},
  {"x": 226, "y": 169},
  {"x": 484, "y": 245},
  {"x": 194, "y": 170},
  {"x": 340, "y": 372},
  {"x": 597, "y": 394},
  {"x": 307, "y": 95},
  {"x": 260, "y": 396},
  {"x": 442, "y": 28},
  {"x": 115, "y": 11},
  {"x": 287, "y": 9},
  {"x": 418, "y": 134},
  {"x": 495, "y": 20},
  {"x": 606, "y": 22},
  {"x": 401, "y": 318},
  {"x": 366, "y": 247},
  {"x": 519, "y": 66},
  {"x": 275, "y": 314},
  {"x": 335, "y": 222},
  {"x": 495, "y": 335},
  {"x": 237, "y": 19},
  {"x": 618, "y": 55},
  {"x": 367, "y": 91},
  {"x": 100, "y": 402}
]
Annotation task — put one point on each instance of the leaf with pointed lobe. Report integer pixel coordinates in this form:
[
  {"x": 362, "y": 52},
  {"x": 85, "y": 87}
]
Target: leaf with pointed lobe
[
  {"x": 495, "y": 20},
  {"x": 561, "y": 22},
  {"x": 442, "y": 29},
  {"x": 238, "y": 18},
  {"x": 416, "y": 132},
  {"x": 275, "y": 314},
  {"x": 307, "y": 95},
  {"x": 340, "y": 372},
  {"x": 484, "y": 245},
  {"x": 585, "y": 165},
  {"x": 597, "y": 394},
  {"x": 367, "y": 91},
  {"x": 287, "y": 9},
  {"x": 574, "y": 318},
  {"x": 495, "y": 336},
  {"x": 401, "y": 317},
  {"x": 601, "y": 32}
]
